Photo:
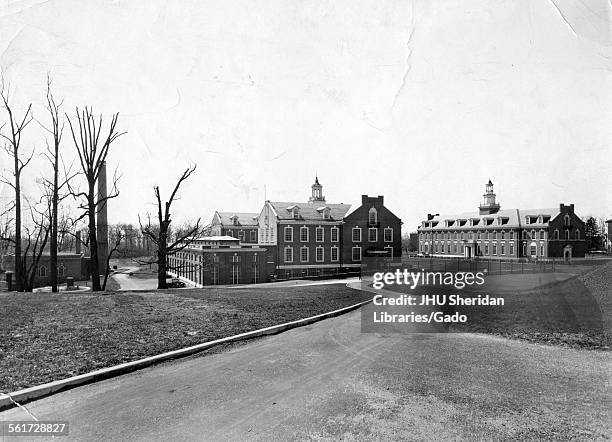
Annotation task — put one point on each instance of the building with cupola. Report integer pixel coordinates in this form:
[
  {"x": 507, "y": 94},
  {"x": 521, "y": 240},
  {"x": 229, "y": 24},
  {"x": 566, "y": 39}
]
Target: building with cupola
[
  {"x": 302, "y": 238},
  {"x": 491, "y": 232}
]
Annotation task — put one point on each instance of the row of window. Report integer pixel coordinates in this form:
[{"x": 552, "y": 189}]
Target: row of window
[
  {"x": 373, "y": 234},
  {"x": 492, "y": 249},
  {"x": 319, "y": 234},
  {"x": 304, "y": 252},
  {"x": 497, "y": 235},
  {"x": 42, "y": 271}
]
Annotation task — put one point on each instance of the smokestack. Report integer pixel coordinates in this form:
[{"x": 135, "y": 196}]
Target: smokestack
[
  {"x": 102, "y": 220},
  {"x": 77, "y": 245}
]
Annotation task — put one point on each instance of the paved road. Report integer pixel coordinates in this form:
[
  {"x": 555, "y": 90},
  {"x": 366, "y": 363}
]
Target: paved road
[
  {"x": 127, "y": 282},
  {"x": 329, "y": 381}
]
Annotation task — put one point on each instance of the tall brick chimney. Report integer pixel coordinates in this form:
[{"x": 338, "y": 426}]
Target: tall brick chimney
[{"x": 102, "y": 221}]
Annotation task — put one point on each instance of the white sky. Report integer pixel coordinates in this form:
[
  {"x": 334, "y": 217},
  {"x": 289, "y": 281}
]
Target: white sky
[{"x": 422, "y": 102}]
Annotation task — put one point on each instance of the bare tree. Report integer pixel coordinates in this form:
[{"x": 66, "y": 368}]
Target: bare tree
[
  {"x": 57, "y": 189},
  {"x": 92, "y": 153},
  {"x": 160, "y": 234},
  {"x": 118, "y": 235},
  {"x": 12, "y": 145},
  {"x": 35, "y": 238}
]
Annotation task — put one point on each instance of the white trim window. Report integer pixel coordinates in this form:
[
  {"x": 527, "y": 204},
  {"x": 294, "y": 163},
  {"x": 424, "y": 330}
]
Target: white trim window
[
  {"x": 335, "y": 234},
  {"x": 335, "y": 253},
  {"x": 253, "y": 235},
  {"x": 372, "y": 216},
  {"x": 288, "y": 254},
  {"x": 356, "y": 254},
  {"x": 236, "y": 258},
  {"x": 319, "y": 234},
  {"x": 389, "y": 249},
  {"x": 288, "y": 234},
  {"x": 356, "y": 234},
  {"x": 388, "y": 234},
  {"x": 241, "y": 235},
  {"x": 304, "y": 254},
  {"x": 372, "y": 234},
  {"x": 235, "y": 274},
  {"x": 303, "y": 234},
  {"x": 320, "y": 254}
]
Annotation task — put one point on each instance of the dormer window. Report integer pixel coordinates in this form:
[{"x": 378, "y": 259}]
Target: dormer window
[
  {"x": 234, "y": 220},
  {"x": 295, "y": 211},
  {"x": 325, "y": 212}
]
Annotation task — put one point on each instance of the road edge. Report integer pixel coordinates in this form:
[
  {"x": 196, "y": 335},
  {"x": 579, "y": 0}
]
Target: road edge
[{"x": 20, "y": 397}]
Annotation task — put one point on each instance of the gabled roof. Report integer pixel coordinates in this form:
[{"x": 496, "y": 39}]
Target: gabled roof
[
  {"x": 244, "y": 218},
  {"x": 516, "y": 217},
  {"x": 309, "y": 211}
]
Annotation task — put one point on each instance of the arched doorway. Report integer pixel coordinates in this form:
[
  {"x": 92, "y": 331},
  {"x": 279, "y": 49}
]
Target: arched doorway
[{"x": 567, "y": 254}]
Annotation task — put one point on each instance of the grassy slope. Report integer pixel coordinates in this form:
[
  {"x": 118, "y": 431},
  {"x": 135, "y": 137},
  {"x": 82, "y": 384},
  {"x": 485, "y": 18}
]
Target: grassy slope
[{"x": 46, "y": 337}]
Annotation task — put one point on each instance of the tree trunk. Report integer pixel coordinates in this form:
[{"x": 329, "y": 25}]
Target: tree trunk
[
  {"x": 19, "y": 277},
  {"x": 162, "y": 266},
  {"x": 93, "y": 245},
  {"x": 53, "y": 246}
]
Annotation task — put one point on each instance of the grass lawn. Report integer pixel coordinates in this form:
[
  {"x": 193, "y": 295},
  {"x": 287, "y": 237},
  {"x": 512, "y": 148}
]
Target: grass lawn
[
  {"x": 573, "y": 312},
  {"x": 45, "y": 337}
]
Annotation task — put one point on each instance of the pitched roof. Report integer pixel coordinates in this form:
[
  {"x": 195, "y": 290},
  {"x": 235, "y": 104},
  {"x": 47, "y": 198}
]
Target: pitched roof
[
  {"x": 516, "y": 217},
  {"x": 310, "y": 210},
  {"x": 244, "y": 218}
]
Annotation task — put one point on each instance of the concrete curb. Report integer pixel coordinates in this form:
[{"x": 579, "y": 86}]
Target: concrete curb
[{"x": 26, "y": 395}]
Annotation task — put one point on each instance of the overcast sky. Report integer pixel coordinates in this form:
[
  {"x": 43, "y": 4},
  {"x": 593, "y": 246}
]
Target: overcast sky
[{"x": 421, "y": 102}]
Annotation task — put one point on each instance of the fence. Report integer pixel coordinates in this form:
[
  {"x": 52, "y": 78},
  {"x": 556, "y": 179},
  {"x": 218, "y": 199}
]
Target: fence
[{"x": 491, "y": 266}]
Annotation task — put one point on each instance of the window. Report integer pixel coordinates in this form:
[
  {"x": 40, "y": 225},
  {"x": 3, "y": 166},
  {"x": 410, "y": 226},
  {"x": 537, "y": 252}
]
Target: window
[
  {"x": 319, "y": 234},
  {"x": 567, "y": 234},
  {"x": 533, "y": 234},
  {"x": 541, "y": 249},
  {"x": 61, "y": 270},
  {"x": 288, "y": 254},
  {"x": 356, "y": 234},
  {"x": 253, "y": 235},
  {"x": 304, "y": 254},
  {"x": 334, "y": 253},
  {"x": 486, "y": 249},
  {"x": 389, "y": 250},
  {"x": 566, "y": 220},
  {"x": 372, "y": 216},
  {"x": 356, "y": 254},
  {"x": 241, "y": 235},
  {"x": 541, "y": 234},
  {"x": 334, "y": 234},
  {"x": 388, "y": 234},
  {"x": 556, "y": 233},
  {"x": 372, "y": 234},
  {"x": 304, "y": 234},
  {"x": 235, "y": 274},
  {"x": 511, "y": 248},
  {"x": 235, "y": 258},
  {"x": 534, "y": 250},
  {"x": 215, "y": 258},
  {"x": 494, "y": 249},
  {"x": 288, "y": 234},
  {"x": 503, "y": 249},
  {"x": 215, "y": 275},
  {"x": 577, "y": 234},
  {"x": 319, "y": 254},
  {"x": 42, "y": 271},
  {"x": 524, "y": 234}
]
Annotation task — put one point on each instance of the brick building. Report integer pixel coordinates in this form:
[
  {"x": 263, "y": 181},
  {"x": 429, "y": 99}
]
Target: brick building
[
  {"x": 371, "y": 230},
  {"x": 220, "y": 260},
  {"x": 239, "y": 225},
  {"x": 504, "y": 234}
]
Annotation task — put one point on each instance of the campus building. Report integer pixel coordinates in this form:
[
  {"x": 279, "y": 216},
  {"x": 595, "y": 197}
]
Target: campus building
[
  {"x": 504, "y": 234},
  {"x": 296, "y": 239},
  {"x": 240, "y": 225},
  {"x": 215, "y": 260}
]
